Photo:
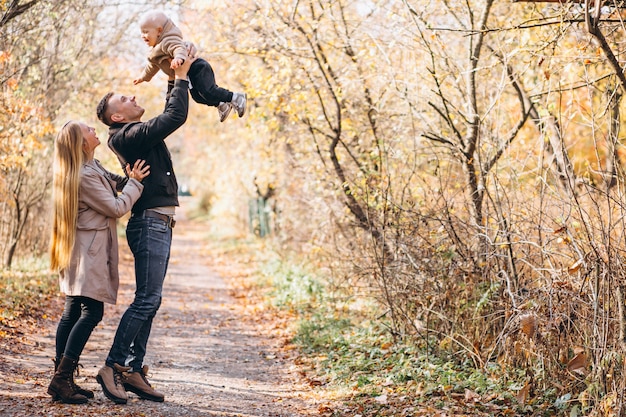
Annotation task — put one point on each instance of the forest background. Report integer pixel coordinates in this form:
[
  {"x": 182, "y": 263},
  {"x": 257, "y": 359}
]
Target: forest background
[{"x": 449, "y": 172}]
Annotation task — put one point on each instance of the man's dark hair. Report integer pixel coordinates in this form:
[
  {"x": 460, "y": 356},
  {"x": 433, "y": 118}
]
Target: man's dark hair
[{"x": 101, "y": 110}]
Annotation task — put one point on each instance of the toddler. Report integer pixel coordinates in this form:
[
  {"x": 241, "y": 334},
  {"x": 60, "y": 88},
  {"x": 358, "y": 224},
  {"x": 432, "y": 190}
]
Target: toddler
[{"x": 168, "y": 51}]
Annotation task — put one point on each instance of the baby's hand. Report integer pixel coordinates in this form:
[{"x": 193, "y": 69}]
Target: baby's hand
[
  {"x": 176, "y": 63},
  {"x": 137, "y": 81}
]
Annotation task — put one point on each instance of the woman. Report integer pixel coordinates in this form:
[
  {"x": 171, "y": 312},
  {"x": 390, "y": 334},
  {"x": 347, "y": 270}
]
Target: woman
[{"x": 83, "y": 247}]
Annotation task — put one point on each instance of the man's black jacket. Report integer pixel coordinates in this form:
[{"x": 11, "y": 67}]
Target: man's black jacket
[{"x": 146, "y": 140}]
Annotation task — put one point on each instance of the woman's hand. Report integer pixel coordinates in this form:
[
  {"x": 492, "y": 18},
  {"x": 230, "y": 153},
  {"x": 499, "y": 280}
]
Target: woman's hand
[{"x": 140, "y": 170}]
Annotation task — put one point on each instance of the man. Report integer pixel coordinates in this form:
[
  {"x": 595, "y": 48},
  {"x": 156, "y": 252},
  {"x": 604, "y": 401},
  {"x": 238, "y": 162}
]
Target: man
[{"x": 149, "y": 229}]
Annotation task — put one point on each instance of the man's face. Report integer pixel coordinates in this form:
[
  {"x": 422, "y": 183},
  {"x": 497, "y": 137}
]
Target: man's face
[{"x": 125, "y": 109}]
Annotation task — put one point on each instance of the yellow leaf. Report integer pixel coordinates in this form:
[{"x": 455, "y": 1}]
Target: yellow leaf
[{"x": 386, "y": 345}]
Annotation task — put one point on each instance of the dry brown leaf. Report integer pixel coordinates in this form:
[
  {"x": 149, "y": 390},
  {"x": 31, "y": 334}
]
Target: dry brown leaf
[
  {"x": 572, "y": 269},
  {"x": 381, "y": 399},
  {"x": 603, "y": 255},
  {"x": 562, "y": 284},
  {"x": 528, "y": 324},
  {"x": 522, "y": 394},
  {"x": 471, "y": 396},
  {"x": 578, "y": 363}
]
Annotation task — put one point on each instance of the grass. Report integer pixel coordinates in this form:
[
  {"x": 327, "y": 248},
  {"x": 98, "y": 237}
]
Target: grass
[
  {"x": 375, "y": 374},
  {"x": 24, "y": 289}
]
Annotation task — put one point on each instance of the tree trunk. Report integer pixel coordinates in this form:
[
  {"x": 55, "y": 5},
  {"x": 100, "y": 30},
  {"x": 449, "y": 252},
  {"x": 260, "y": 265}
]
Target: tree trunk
[
  {"x": 610, "y": 173},
  {"x": 549, "y": 127}
]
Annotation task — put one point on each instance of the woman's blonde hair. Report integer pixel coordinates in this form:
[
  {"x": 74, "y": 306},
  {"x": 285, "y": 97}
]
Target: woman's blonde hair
[{"x": 68, "y": 161}]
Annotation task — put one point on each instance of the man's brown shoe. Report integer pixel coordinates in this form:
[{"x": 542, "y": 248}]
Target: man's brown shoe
[
  {"x": 136, "y": 382},
  {"x": 111, "y": 381}
]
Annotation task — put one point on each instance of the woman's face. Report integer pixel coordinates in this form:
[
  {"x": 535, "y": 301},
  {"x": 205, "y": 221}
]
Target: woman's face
[{"x": 90, "y": 139}]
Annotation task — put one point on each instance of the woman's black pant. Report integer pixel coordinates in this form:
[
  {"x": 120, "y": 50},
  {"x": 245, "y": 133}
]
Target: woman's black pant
[{"x": 80, "y": 316}]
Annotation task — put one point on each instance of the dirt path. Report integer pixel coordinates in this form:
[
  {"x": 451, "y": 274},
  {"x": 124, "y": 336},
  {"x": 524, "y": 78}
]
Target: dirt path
[{"x": 206, "y": 354}]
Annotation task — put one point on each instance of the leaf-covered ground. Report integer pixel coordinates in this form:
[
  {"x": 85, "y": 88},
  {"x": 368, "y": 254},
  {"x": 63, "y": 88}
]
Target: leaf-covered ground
[{"x": 214, "y": 350}]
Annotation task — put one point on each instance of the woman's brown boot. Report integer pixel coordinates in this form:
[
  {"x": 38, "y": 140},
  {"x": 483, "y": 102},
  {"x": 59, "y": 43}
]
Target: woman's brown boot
[
  {"x": 82, "y": 391},
  {"x": 62, "y": 387}
]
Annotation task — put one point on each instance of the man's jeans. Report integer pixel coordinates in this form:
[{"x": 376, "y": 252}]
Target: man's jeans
[{"x": 149, "y": 240}]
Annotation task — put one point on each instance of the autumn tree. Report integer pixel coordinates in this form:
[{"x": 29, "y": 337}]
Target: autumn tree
[
  {"x": 51, "y": 54},
  {"x": 569, "y": 89},
  {"x": 456, "y": 160}
]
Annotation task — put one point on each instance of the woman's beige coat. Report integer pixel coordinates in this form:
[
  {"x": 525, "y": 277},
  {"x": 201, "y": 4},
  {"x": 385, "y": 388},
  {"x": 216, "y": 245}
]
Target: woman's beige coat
[{"x": 93, "y": 269}]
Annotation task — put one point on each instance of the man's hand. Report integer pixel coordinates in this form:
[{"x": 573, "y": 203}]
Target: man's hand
[
  {"x": 181, "y": 71},
  {"x": 191, "y": 49},
  {"x": 137, "y": 81}
]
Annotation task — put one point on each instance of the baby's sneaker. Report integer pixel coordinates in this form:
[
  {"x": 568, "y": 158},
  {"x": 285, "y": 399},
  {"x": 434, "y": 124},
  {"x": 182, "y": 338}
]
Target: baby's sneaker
[
  {"x": 239, "y": 103},
  {"x": 224, "y": 110}
]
